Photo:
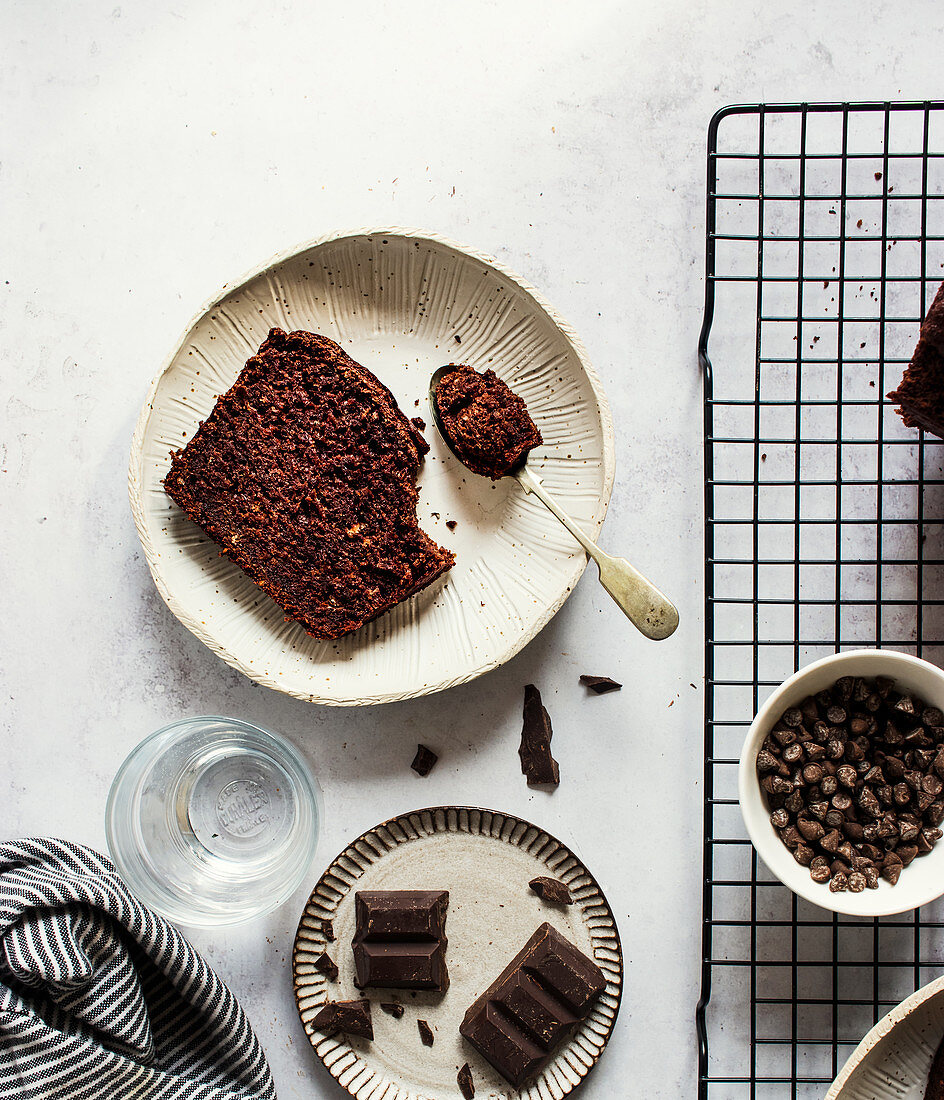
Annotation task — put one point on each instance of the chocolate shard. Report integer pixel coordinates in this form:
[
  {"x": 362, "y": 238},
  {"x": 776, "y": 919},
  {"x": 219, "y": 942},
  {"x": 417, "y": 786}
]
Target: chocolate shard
[
  {"x": 400, "y": 939},
  {"x": 351, "y": 1017},
  {"x": 536, "y": 1001},
  {"x": 552, "y": 889},
  {"x": 424, "y": 760},
  {"x": 426, "y": 1033},
  {"x": 392, "y": 1009},
  {"x": 599, "y": 685},
  {"x": 537, "y": 764},
  {"x": 465, "y": 1082},
  {"x": 327, "y": 930},
  {"x": 327, "y": 966}
]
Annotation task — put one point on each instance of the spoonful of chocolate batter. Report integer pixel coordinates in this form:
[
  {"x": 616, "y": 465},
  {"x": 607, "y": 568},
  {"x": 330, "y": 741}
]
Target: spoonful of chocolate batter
[{"x": 489, "y": 429}]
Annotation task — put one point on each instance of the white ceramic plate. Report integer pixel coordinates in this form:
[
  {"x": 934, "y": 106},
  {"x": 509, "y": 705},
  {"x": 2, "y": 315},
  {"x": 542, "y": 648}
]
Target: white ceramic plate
[
  {"x": 402, "y": 303},
  {"x": 893, "y": 1060},
  {"x": 485, "y": 860}
]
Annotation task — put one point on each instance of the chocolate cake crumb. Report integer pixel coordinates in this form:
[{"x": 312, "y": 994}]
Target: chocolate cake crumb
[
  {"x": 537, "y": 763},
  {"x": 418, "y": 422},
  {"x": 392, "y": 1009},
  {"x": 426, "y": 1033},
  {"x": 351, "y": 1017},
  {"x": 424, "y": 760},
  {"x": 305, "y": 473},
  {"x": 327, "y": 966},
  {"x": 486, "y": 423},
  {"x": 552, "y": 890},
  {"x": 466, "y": 1084},
  {"x": 599, "y": 685}
]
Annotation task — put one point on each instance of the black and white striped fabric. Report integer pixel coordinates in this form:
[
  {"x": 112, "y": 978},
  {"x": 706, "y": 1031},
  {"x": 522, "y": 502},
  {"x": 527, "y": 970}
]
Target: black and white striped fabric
[{"x": 101, "y": 999}]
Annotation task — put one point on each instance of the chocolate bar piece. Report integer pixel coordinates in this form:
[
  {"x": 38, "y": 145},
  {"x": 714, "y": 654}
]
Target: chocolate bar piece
[
  {"x": 351, "y": 1017},
  {"x": 540, "y": 996},
  {"x": 424, "y": 760},
  {"x": 400, "y": 941},
  {"x": 537, "y": 764},
  {"x": 465, "y": 1082},
  {"x": 392, "y": 1009},
  {"x": 600, "y": 685},
  {"x": 552, "y": 889},
  {"x": 426, "y": 1033},
  {"x": 327, "y": 966}
]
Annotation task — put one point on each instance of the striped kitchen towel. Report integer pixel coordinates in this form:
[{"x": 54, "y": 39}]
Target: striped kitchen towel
[{"x": 101, "y": 999}]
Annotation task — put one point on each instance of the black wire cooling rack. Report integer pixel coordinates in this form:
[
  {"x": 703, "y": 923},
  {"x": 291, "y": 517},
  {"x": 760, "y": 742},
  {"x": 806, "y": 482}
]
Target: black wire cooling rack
[{"x": 824, "y": 531}]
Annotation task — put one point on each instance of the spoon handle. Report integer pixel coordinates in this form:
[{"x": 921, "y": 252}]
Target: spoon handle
[{"x": 642, "y": 603}]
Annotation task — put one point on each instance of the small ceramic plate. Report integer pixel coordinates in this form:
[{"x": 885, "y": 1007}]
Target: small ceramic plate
[
  {"x": 893, "y": 1060},
  {"x": 401, "y": 303},
  {"x": 485, "y": 860}
]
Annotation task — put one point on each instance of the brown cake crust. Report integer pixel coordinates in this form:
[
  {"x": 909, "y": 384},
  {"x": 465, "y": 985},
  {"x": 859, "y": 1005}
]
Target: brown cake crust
[
  {"x": 921, "y": 392},
  {"x": 305, "y": 473},
  {"x": 487, "y": 423}
]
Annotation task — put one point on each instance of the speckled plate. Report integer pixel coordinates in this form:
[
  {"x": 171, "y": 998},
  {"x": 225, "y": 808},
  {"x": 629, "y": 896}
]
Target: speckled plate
[
  {"x": 893, "y": 1060},
  {"x": 401, "y": 303},
  {"x": 485, "y": 860}
]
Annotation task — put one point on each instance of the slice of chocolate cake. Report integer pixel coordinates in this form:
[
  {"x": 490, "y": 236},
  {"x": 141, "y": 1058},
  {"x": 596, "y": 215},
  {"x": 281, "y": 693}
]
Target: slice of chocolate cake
[
  {"x": 305, "y": 473},
  {"x": 920, "y": 396}
]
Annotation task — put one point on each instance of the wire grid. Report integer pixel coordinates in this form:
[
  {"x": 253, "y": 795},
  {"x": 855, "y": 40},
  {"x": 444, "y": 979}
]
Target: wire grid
[{"x": 824, "y": 531}]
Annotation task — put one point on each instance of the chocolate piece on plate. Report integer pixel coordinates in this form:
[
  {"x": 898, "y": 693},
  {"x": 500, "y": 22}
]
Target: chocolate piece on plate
[
  {"x": 426, "y": 1033},
  {"x": 552, "y": 889},
  {"x": 327, "y": 930},
  {"x": 599, "y": 685},
  {"x": 536, "y": 1001},
  {"x": 392, "y": 1009},
  {"x": 327, "y": 966},
  {"x": 465, "y": 1082},
  {"x": 537, "y": 764},
  {"x": 400, "y": 939},
  {"x": 351, "y": 1017},
  {"x": 424, "y": 760}
]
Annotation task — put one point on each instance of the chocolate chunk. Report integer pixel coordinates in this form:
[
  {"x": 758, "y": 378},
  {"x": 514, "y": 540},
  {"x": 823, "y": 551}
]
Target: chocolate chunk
[
  {"x": 599, "y": 685},
  {"x": 400, "y": 939},
  {"x": 537, "y": 764},
  {"x": 327, "y": 966},
  {"x": 538, "y": 999},
  {"x": 452, "y": 524},
  {"x": 426, "y": 1033},
  {"x": 327, "y": 930},
  {"x": 552, "y": 889},
  {"x": 424, "y": 760},
  {"x": 351, "y": 1017},
  {"x": 466, "y": 1085},
  {"x": 392, "y": 1009}
]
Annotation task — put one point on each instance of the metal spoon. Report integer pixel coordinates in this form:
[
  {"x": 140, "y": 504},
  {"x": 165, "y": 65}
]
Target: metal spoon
[{"x": 642, "y": 603}]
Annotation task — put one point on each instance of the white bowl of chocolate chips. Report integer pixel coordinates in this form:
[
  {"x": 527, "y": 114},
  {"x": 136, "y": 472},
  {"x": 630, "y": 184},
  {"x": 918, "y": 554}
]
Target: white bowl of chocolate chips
[{"x": 841, "y": 782}]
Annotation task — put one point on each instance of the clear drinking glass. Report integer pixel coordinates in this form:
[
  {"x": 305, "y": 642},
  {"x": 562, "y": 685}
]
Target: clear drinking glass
[{"x": 213, "y": 821}]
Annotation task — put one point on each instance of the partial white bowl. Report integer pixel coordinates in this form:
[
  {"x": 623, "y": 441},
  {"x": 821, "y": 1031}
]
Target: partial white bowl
[
  {"x": 923, "y": 880},
  {"x": 402, "y": 303},
  {"x": 893, "y": 1060}
]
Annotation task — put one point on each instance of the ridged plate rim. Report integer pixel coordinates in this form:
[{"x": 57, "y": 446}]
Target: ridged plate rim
[
  {"x": 339, "y": 1057},
  {"x": 874, "y": 1048},
  {"x": 136, "y": 479}
]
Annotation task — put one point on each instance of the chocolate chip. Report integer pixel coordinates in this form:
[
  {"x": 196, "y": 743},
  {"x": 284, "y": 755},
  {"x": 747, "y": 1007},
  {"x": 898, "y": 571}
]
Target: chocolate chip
[
  {"x": 426, "y": 1033},
  {"x": 599, "y": 685},
  {"x": 552, "y": 890},
  {"x": 424, "y": 760},
  {"x": 466, "y": 1085},
  {"x": 327, "y": 966},
  {"x": 392, "y": 1009},
  {"x": 537, "y": 763}
]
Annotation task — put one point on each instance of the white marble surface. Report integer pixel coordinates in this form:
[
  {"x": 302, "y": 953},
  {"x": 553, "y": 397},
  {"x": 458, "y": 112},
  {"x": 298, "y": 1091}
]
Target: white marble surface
[{"x": 152, "y": 152}]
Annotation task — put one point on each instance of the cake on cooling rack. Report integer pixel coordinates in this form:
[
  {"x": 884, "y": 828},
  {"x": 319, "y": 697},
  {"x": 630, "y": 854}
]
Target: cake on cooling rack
[
  {"x": 305, "y": 473},
  {"x": 920, "y": 396}
]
